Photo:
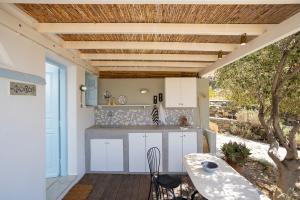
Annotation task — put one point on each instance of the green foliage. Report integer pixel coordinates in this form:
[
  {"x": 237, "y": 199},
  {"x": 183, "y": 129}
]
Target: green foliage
[
  {"x": 249, "y": 80},
  {"x": 248, "y": 131},
  {"x": 248, "y": 116},
  {"x": 211, "y": 93},
  {"x": 236, "y": 153}
]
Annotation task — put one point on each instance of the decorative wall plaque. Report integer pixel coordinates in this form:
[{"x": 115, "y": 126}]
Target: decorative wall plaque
[{"x": 22, "y": 89}]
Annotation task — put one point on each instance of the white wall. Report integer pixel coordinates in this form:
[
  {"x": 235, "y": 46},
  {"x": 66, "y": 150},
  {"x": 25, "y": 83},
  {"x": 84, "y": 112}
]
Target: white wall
[
  {"x": 131, "y": 89},
  {"x": 85, "y": 118},
  {"x": 22, "y": 121},
  {"x": 22, "y": 124},
  {"x": 203, "y": 102}
]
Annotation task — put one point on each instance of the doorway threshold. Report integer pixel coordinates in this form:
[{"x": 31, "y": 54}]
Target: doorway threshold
[{"x": 57, "y": 186}]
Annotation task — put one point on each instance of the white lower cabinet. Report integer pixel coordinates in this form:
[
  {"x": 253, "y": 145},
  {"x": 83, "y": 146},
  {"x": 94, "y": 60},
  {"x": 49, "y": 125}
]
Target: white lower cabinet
[
  {"x": 106, "y": 155},
  {"x": 180, "y": 144},
  {"x": 139, "y": 144}
]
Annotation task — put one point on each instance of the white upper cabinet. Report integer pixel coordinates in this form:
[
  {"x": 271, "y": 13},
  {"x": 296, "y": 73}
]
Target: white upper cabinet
[{"x": 180, "y": 92}]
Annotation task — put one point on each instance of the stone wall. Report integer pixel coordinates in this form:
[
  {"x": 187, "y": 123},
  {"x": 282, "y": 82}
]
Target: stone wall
[{"x": 222, "y": 123}]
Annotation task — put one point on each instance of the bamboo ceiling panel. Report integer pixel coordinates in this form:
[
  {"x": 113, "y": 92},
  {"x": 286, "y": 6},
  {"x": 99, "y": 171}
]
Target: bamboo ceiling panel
[
  {"x": 145, "y": 74},
  {"x": 154, "y": 38},
  {"x": 141, "y": 51},
  {"x": 133, "y": 13},
  {"x": 184, "y": 61}
]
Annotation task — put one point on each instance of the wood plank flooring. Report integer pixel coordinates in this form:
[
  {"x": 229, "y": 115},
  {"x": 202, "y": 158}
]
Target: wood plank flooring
[{"x": 124, "y": 186}]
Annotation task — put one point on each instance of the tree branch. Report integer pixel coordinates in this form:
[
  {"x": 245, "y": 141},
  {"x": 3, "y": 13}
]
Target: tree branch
[
  {"x": 292, "y": 152},
  {"x": 273, "y": 152},
  {"x": 266, "y": 125},
  {"x": 292, "y": 73},
  {"x": 276, "y": 85}
]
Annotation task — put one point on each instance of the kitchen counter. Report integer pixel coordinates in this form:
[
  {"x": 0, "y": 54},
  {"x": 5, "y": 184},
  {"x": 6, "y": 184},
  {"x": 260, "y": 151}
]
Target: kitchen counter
[
  {"x": 121, "y": 133},
  {"x": 142, "y": 128}
]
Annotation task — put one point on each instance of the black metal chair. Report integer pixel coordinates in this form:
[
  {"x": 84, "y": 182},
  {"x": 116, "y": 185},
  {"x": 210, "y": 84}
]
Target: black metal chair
[
  {"x": 161, "y": 194},
  {"x": 165, "y": 181}
]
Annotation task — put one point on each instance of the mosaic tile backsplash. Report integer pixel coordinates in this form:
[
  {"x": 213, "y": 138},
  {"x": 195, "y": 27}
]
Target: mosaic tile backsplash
[{"x": 139, "y": 116}]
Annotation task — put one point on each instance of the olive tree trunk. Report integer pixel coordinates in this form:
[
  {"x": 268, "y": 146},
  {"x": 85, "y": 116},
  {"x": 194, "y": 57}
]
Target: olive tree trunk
[{"x": 289, "y": 167}]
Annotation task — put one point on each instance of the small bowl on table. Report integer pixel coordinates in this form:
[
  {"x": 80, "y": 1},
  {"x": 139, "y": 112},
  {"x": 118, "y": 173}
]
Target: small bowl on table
[{"x": 209, "y": 166}]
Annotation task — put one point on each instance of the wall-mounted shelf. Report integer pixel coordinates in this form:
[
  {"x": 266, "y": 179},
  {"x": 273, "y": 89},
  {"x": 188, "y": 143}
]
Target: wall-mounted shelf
[{"x": 124, "y": 106}]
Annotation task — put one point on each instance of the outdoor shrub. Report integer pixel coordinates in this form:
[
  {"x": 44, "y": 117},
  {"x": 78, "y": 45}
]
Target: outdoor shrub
[
  {"x": 248, "y": 116},
  {"x": 236, "y": 153},
  {"x": 248, "y": 131}
]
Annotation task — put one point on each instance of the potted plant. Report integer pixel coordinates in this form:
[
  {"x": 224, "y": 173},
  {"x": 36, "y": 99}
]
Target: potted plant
[{"x": 236, "y": 155}]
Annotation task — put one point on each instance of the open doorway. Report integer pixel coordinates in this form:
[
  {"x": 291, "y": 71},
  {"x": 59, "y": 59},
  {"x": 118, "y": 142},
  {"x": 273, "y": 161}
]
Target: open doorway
[{"x": 56, "y": 129}]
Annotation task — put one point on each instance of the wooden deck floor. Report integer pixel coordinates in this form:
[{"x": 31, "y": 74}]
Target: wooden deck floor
[{"x": 122, "y": 187}]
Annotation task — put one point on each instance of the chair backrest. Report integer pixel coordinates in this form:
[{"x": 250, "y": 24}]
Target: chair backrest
[{"x": 153, "y": 157}]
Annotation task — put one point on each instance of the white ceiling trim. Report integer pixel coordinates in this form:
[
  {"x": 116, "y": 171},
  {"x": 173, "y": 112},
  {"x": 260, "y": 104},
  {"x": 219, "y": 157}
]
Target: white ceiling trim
[
  {"x": 152, "y": 28},
  {"x": 147, "y": 64},
  {"x": 153, "y": 1},
  {"x": 168, "y": 57},
  {"x": 184, "y": 46},
  {"x": 14, "y": 24},
  {"x": 278, "y": 32},
  {"x": 159, "y": 69}
]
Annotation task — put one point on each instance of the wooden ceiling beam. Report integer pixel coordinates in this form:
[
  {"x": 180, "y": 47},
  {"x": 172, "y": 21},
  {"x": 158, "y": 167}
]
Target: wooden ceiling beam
[
  {"x": 153, "y": 1},
  {"x": 184, "y": 46},
  {"x": 162, "y": 57},
  {"x": 152, "y": 28},
  {"x": 148, "y": 64}
]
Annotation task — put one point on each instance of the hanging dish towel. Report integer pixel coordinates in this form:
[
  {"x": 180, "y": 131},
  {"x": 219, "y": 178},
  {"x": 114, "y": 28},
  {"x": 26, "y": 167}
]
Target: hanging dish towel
[
  {"x": 155, "y": 117},
  {"x": 162, "y": 114}
]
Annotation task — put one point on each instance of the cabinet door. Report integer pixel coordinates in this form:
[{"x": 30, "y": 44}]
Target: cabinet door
[
  {"x": 189, "y": 144},
  {"x": 114, "y": 155},
  {"x": 188, "y": 96},
  {"x": 154, "y": 140},
  {"x": 175, "y": 151},
  {"x": 98, "y": 155},
  {"x": 137, "y": 154},
  {"x": 172, "y": 92}
]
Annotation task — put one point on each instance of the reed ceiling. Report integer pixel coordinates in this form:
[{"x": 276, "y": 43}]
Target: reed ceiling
[
  {"x": 141, "y": 51},
  {"x": 145, "y": 74},
  {"x": 212, "y": 43},
  {"x": 155, "y": 38},
  {"x": 150, "y": 13}
]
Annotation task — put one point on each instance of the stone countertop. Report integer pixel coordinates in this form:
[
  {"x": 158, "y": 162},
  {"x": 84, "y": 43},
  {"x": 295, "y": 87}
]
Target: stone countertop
[{"x": 141, "y": 128}]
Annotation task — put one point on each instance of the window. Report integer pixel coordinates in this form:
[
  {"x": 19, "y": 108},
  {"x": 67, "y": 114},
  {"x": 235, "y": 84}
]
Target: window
[{"x": 91, "y": 94}]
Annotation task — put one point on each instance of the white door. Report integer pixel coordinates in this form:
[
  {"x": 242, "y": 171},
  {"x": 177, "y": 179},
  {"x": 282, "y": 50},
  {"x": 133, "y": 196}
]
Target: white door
[
  {"x": 114, "y": 155},
  {"x": 154, "y": 140},
  {"x": 189, "y": 144},
  {"x": 98, "y": 154},
  {"x": 175, "y": 151},
  {"x": 137, "y": 152},
  {"x": 188, "y": 92},
  {"x": 172, "y": 92},
  {"x": 52, "y": 122}
]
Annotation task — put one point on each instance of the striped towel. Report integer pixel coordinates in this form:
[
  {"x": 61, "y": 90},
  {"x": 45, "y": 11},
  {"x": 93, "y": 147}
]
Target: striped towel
[{"x": 155, "y": 117}]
